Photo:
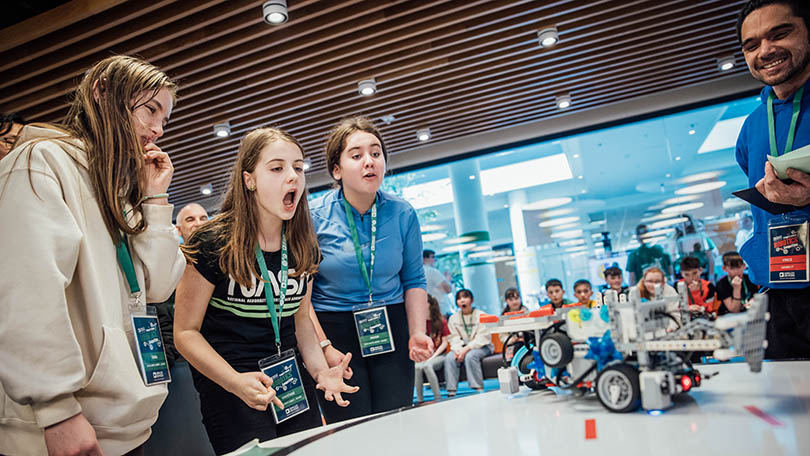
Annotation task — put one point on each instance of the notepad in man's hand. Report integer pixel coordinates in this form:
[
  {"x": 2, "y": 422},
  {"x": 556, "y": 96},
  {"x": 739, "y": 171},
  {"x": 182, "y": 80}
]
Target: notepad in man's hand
[{"x": 753, "y": 196}]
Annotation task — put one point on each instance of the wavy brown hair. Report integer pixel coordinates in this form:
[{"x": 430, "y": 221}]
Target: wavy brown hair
[
  {"x": 104, "y": 124},
  {"x": 336, "y": 142},
  {"x": 236, "y": 227}
]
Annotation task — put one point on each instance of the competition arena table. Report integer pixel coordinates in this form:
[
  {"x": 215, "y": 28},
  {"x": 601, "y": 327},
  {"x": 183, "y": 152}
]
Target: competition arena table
[{"x": 735, "y": 413}]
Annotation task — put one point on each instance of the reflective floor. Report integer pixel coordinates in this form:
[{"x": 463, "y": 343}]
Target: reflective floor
[{"x": 735, "y": 413}]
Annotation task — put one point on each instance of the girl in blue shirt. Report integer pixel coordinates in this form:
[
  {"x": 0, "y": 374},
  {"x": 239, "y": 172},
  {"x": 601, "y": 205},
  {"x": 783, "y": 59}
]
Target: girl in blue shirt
[{"x": 356, "y": 159}]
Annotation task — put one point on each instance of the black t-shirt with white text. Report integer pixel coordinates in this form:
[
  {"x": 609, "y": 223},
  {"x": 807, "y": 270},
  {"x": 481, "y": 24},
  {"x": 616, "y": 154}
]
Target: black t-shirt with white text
[{"x": 237, "y": 322}]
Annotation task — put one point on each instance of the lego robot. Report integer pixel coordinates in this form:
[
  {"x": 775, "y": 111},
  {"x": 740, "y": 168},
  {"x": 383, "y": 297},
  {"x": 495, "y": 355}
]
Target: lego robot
[{"x": 631, "y": 353}]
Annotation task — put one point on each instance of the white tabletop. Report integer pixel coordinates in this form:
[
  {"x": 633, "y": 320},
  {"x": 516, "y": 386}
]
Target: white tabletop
[{"x": 735, "y": 413}]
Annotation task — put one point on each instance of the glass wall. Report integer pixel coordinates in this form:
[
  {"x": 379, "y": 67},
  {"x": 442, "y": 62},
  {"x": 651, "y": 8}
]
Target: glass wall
[{"x": 568, "y": 208}]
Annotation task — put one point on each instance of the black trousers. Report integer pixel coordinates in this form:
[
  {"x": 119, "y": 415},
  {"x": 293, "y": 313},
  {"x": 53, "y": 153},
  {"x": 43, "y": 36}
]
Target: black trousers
[
  {"x": 385, "y": 381},
  {"x": 230, "y": 423},
  {"x": 789, "y": 326}
]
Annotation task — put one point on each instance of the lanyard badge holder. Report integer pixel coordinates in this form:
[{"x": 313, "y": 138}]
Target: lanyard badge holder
[
  {"x": 371, "y": 319},
  {"x": 282, "y": 367},
  {"x": 787, "y": 235},
  {"x": 145, "y": 326}
]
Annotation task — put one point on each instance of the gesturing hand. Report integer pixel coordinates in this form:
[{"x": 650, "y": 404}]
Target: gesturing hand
[
  {"x": 330, "y": 381},
  {"x": 255, "y": 389},
  {"x": 420, "y": 347},
  {"x": 335, "y": 357},
  {"x": 159, "y": 170}
]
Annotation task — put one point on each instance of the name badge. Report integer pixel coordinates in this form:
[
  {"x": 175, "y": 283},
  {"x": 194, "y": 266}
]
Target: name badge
[
  {"x": 787, "y": 252},
  {"x": 283, "y": 370},
  {"x": 151, "y": 352},
  {"x": 373, "y": 331}
]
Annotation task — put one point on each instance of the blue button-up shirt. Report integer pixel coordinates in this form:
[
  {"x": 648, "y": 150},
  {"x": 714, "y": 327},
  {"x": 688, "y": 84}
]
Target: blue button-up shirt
[{"x": 339, "y": 284}]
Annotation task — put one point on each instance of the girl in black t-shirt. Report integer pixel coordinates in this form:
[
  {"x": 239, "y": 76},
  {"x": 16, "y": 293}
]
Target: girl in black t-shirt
[{"x": 223, "y": 326}]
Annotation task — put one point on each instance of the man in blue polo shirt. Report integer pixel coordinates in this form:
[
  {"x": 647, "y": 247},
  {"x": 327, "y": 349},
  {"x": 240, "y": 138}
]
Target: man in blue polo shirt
[{"x": 776, "y": 45}]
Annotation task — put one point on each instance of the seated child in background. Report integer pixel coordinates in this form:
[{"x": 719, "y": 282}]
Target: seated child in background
[
  {"x": 615, "y": 281},
  {"x": 584, "y": 292},
  {"x": 469, "y": 344},
  {"x": 555, "y": 292},
  {"x": 438, "y": 331},
  {"x": 736, "y": 289},
  {"x": 701, "y": 291},
  {"x": 513, "y": 304}
]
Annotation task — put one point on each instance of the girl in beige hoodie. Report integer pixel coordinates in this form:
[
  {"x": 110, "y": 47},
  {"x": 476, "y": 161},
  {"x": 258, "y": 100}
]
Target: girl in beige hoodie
[{"x": 69, "y": 194}]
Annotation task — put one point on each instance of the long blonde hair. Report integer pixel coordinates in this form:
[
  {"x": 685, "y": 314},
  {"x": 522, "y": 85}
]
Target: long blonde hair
[{"x": 236, "y": 228}]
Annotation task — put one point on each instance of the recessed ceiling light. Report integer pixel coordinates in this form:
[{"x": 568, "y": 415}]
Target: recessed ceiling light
[
  {"x": 433, "y": 237},
  {"x": 580, "y": 177},
  {"x": 275, "y": 12},
  {"x": 668, "y": 222},
  {"x": 207, "y": 189},
  {"x": 367, "y": 87},
  {"x": 725, "y": 63},
  {"x": 472, "y": 177},
  {"x": 429, "y": 228},
  {"x": 692, "y": 131},
  {"x": 458, "y": 248},
  {"x": 677, "y": 158},
  {"x": 548, "y": 37},
  {"x": 547, "y": 203},
  {"x": 563, "y": 101},
  {"x": 557, "y": 212},
  {"x": 501, "y": 258},
  {"x": 576, "y": 155},
  {"x": 567, "y": 234},
  {"x": 667, "y": 175},
  {"x": 222, "y": 130},
  {"x": 700, "y": 188},
  {"x": 557, "y": 222},
  {"x": 567, "y": 226},
  {"x": 307, "y": 163},
  {"x": 572, "y": 242},
  {"x": 655, "y": 217},
  {"x": 679, "y": 200},
  {"x": 423, "y": 134},
  {"x": 682, "y": 208},
  {"x": 663, "y": 232},
  {"x": 699, "y": 177}
]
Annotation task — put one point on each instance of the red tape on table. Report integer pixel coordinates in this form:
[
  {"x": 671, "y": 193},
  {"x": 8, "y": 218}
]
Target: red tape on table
[
  {"x": 590, "y": 429},
  {"x": 763, "y": 416}
]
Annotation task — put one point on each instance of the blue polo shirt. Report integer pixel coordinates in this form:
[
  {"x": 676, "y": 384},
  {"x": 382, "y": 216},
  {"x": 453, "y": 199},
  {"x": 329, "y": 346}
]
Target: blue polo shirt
[
  {"x": 753, "y": 146},
  {"x": 339, "y": 284}
]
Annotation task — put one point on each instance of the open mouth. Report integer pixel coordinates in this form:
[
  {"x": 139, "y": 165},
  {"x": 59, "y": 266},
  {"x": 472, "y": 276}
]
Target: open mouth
[
  {"x": 289, "y": 199},
  {"x": 369, "y": 176}
]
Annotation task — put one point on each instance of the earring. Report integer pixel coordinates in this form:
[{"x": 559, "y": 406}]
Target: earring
[{"x": 252, "y": 188}]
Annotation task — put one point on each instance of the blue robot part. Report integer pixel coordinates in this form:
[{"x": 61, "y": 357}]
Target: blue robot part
[{"x": 602, "y": 350}]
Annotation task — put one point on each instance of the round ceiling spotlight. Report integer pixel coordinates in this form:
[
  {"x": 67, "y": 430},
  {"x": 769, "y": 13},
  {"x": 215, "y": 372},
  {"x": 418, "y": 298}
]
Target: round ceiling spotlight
[
  {"x": 725, "y": 63},
  {"x": 307, "y": 164},
  {"x": 423, "y": 134},
  {"x": 207, "y": 189},
  {"x": 367, "y": 87},
  {"x": 548, "y": 37},
  {"x": 275, "y": 12},
  {"x": 563, "y": 101},
  {"x": 680, "y": 208},
  {"x": 222, "y": 130}
]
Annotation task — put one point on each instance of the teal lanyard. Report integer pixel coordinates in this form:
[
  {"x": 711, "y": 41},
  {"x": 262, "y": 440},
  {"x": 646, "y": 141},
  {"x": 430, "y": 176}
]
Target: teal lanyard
[
  {"x": 467, "y": 327},
  {"x": 368, "y": 274},
  {"x": 275, "y": 317},
  {"x": 125, "y": 260},
  {"x": 744, "y": 297},
  {"x": 797, "y": 107}
]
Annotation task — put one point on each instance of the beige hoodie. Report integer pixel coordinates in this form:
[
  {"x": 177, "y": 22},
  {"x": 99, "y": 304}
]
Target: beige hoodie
[{"x": 66, "y": 341}]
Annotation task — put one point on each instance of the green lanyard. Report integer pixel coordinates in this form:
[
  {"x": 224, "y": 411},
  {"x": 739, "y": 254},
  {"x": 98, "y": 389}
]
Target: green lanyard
[
  {"x": 744, "y": 297},
  {"x": 368, "y": 274},
  {"x": 467, "y": 327},
  {"x": 125, "y": 260},
  {"x": 797, "y": 107},
  {"x": 275, "y": 317}
]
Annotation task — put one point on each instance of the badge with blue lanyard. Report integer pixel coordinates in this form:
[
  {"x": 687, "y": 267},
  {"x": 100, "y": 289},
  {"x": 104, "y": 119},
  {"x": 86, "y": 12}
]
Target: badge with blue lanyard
[
  {"x": 282, "y": 367},
  {"x": 145, "y": 326},
  {"x": 788, "y": 234},
  {"x": 371, "y": 319}
]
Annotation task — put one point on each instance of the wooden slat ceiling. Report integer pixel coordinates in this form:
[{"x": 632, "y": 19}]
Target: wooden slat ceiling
[{"x": 458, "y": 67}]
